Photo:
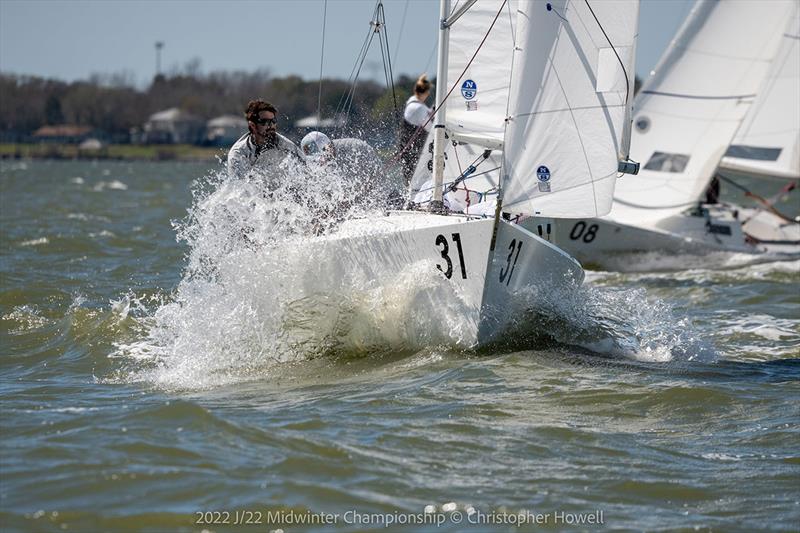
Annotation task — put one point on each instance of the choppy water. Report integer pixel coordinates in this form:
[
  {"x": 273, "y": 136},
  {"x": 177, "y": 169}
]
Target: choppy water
[{"x": 144, "y": 382}]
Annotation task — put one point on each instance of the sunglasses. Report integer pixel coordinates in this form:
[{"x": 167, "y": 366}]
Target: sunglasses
[{"x": 265, "y": 121}]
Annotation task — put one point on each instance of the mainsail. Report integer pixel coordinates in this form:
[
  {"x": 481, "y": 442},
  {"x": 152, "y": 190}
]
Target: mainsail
[
  {"x": 768, "y": 142},
  {"x": 692, "y": 105},
  {"x": 570, "y": 96}
]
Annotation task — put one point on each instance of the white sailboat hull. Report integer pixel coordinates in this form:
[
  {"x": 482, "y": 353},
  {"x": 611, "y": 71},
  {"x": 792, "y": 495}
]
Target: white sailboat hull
[
  {"x": 489, "y": 288},
  {"x": 711, "y": 229}
]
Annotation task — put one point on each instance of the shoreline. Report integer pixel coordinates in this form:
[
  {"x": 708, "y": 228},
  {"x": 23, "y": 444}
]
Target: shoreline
[{"x": 113, "y": 152}]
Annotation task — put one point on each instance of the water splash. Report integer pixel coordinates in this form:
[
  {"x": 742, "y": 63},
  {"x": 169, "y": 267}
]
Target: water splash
[
  {"x": 252, "y": 295},
  {"x": 23, "y": 318},
  {"x": 620, "y": 323},
  {"x": 256, "y": 292},
  {"x": 629, "y": 324}
]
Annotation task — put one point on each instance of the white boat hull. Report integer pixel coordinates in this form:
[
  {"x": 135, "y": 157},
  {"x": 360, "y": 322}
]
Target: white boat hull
[
  {"x": 712, "y": 229},
  {"x": 489, "y": 288}
]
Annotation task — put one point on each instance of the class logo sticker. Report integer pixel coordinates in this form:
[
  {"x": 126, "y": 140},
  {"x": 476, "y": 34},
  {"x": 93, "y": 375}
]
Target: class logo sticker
[
  {"x": 543, "y": 173},
  {"x": 469, "y": 89}
]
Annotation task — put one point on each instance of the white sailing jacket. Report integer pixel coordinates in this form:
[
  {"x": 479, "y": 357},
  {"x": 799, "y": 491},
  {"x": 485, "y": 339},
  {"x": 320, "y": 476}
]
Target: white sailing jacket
[{"x": 244, "y": 155}]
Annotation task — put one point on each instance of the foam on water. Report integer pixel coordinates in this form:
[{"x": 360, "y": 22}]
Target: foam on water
[
  {"x": 657, "y": 261},
  {"x": 253, "y": 294},
  {"x": 116, "y": 185},
  {"x": 24, "y": 318},
  {"x": 35, "y": 242},
  {"x": 623, "y": 323}
]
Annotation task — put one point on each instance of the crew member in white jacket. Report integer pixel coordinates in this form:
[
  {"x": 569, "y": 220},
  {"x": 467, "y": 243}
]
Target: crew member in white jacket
[
  {"x": 262, "y": 147},
  {"x": 416, "y": 115}
]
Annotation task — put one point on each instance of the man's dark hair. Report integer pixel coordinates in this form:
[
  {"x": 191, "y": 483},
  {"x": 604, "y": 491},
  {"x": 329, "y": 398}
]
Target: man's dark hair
[{"x": 257, "y": 106}]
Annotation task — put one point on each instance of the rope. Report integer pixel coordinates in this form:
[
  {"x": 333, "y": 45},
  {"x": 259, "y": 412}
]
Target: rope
[
  {"x": 346, "y": 101},
  {"x": 764, "y": 202},
  {"x": 321, "y": 58},
  {"x": 469, "y": 177},
  {"x": 471, "y": 168},
  {"x": 400, "y": 33}
]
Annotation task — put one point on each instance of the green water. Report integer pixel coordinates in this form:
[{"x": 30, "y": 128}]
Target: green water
[{"x": 697, "y": 427}]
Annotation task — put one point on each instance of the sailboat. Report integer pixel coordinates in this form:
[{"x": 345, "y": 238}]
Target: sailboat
[
  {"x": 768, "y": 142},
  {"x": 548, "y": 83},
  {"x": 767, "y": 145},
  {"x": 685, "y": 118}
]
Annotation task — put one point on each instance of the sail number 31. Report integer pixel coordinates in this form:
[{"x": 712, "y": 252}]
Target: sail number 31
[
  {"x": 505, "y": 273},
  {"x": 441, "y": 241}
]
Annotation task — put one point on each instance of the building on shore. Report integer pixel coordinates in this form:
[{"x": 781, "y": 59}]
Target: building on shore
[
  {"x": 225, "y": 130},
  {"x": 173, "y": 126},
  {"x": 62, "y": 134}
]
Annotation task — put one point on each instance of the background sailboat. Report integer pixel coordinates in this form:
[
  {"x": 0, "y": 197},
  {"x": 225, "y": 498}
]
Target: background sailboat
[
  {"x": 768, "y": 141},
  {"x": 767, "y": 146},
  {"x": 686, "y": 116}
]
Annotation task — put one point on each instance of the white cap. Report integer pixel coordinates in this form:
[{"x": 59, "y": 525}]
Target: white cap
[{"x": 316, "y": 144}]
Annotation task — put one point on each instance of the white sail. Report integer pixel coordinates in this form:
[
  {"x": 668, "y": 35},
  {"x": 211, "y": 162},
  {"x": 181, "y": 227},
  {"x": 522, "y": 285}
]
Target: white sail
[
  {"x": 476, "y": 110},
  {"x": 476, "y": 115},
  {"x": 690, "y": 108},
  {"x": 768, "y": 142},
  {"x": 573, "y": 68}
]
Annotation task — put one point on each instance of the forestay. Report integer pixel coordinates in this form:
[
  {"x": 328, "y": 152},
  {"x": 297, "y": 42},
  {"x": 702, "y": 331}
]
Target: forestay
[
  {"x": 768, "y": 142},
  {"x": 570, "y": 93},
  {"x": 690, "y": 108}
]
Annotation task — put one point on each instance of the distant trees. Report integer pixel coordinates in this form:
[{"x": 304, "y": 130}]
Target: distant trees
[{"x": 112, "y": 104}]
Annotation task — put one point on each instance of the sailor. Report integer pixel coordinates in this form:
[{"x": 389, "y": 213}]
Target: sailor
[
  {"x": 353, "y": 159},
  {"x": 415, "y": 115},
  {"x": 262, "y": 146},
  {"x": 712, "y": 192}
]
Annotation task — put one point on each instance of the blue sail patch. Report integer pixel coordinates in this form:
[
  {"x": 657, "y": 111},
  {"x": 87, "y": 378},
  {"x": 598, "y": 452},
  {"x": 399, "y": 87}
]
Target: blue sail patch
[{"x": 469, "y": 89}]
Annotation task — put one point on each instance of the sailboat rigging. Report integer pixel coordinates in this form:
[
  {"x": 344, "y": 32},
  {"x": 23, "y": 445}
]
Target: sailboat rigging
[{"x": 562, "y": 106}]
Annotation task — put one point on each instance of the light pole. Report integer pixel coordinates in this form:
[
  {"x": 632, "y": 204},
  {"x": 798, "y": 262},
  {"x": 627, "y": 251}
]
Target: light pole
[{"x": 159, "y": 46}]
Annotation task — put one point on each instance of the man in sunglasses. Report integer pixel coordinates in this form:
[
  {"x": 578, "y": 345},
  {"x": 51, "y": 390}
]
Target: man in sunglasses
[{"x": 262, "y": 146}]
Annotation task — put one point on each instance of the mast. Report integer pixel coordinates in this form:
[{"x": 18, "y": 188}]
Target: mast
[{"x": 439, "y": 120}]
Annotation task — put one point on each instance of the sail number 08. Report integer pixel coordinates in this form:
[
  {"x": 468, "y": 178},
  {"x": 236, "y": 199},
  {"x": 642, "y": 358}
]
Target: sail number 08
[{"x": 580, "y": 230}]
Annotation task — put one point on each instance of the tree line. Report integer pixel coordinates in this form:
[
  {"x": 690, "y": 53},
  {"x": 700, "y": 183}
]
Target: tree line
[{"x": 113, "y": 106}]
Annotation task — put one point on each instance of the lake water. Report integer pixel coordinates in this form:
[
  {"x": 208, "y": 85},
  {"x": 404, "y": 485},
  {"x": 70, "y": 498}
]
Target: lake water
[{"x": 137, "y": 395}]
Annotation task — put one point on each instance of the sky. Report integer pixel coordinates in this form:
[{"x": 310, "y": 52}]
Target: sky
[{"x": 73, "y": 39}]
